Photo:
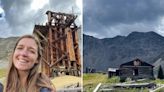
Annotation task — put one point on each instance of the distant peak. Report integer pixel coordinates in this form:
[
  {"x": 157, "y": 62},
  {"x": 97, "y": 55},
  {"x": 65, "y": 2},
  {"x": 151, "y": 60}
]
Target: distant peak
[
  {"x": 153, "y": 33},
  {"x": 89, "y": 36},
  {"x": 135, "y": 33},
  {"x": 118, "y": 37}
]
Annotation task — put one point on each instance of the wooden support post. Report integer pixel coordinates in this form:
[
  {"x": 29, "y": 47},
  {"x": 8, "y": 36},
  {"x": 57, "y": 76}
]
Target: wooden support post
[
  {"x": 49, "y": 18},
  {"x": 55, "y": 49},
  {"x": 62, "y": 46},
  {"x": 70, "y": 46},
  {"x": 77, "y": 49},
  {"x": 75, "y": 68},
  {"x": 51, "y": 49}
]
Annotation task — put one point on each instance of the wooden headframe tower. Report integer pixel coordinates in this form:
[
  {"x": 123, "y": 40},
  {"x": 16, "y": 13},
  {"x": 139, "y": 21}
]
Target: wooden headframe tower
[{"x": 60, "y": 43}]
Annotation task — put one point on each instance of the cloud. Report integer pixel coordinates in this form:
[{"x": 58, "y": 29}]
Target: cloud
[
  {"x": 118, "y": 17},
  {"x": 22, "y": 15}
]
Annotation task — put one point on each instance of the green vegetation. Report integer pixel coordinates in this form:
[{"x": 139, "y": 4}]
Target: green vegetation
[
  {"x": 90, "y": 81},
  {"x": 160, "y": 90},
  {"x": 2, "y": 72},
  {"x": 115, "y": 79},
  {"x": 158, "y": 81},
  {"x": 2, "y": 75},
  {"x": 94, "y": 78}
]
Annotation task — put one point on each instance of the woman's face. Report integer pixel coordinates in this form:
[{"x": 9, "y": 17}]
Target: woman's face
[{"x": 25, "y": 54}]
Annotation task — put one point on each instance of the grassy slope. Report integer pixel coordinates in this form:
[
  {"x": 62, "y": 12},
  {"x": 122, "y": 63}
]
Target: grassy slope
[{"x": 90, "y": 81}]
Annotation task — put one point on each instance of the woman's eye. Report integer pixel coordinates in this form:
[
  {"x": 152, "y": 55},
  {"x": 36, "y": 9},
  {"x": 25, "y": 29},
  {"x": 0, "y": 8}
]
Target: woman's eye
[
  {"x": 32, "y": 51},
  {"x": 19, "y": 48}
]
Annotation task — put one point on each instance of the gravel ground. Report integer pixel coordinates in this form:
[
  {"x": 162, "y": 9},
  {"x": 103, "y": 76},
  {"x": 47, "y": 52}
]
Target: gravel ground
[{"x": 65, "y": 81}]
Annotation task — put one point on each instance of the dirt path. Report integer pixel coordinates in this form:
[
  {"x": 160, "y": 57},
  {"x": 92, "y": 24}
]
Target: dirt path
[{"x": 64, "y": 81}]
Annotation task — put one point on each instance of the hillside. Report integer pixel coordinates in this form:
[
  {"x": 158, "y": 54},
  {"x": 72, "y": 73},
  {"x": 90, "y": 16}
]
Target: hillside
[{"x": 6, "y": 46}]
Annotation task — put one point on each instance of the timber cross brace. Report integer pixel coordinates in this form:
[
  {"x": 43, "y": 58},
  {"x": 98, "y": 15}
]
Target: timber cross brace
[{"x": 60, "y": 45}]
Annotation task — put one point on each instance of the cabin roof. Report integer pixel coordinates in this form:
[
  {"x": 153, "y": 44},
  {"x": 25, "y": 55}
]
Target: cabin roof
[{"x": 137, "y": 61}]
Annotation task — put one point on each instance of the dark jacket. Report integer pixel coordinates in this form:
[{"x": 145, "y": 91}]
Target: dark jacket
[
  {"x": 45, "y": 90},
  {"x": 1, "y": 87}
]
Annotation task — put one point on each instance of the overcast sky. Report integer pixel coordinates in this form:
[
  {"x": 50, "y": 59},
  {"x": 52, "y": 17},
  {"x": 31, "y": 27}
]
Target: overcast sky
[
  {"x": 108, "y": 18},
  {"x": 18, "y": 17}
]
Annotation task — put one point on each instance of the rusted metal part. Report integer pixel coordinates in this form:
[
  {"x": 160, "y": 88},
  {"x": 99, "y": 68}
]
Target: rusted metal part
[{"x": 60, "y": 43}]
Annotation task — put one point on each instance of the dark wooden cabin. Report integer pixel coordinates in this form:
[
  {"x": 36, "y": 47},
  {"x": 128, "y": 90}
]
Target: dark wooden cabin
[{"x": 136, "y": 69}]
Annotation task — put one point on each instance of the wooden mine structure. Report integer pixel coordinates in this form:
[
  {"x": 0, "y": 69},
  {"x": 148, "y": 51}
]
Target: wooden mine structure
[{"x": 59, "y": 40}]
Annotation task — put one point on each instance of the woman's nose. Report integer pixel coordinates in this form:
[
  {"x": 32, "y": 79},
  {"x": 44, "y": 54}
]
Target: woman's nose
[{"x": 24, "y": 52}]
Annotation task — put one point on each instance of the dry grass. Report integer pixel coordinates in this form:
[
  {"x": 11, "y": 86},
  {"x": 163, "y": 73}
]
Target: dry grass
[{"x": 64, "y": 81}]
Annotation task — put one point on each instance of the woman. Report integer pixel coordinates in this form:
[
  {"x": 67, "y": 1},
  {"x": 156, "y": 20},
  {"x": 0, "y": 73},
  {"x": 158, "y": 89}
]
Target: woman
[{"x": 23, "y": 75}]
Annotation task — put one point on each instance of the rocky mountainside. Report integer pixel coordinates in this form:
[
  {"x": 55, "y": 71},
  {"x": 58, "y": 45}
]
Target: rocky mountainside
[
  {"x": 111, "y": 52},
  {"x": 6, "y": 46}
]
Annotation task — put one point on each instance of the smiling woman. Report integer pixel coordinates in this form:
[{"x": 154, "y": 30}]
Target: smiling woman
[{"x": 23, "y": 75}]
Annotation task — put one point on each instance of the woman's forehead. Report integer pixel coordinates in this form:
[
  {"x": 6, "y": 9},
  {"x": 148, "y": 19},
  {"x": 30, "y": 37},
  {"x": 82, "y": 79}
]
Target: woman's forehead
[{"x": 28, "y": 42}]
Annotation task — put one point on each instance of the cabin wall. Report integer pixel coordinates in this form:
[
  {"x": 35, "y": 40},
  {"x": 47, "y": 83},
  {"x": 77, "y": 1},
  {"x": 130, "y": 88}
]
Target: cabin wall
[{"x": 142, "y": 72}]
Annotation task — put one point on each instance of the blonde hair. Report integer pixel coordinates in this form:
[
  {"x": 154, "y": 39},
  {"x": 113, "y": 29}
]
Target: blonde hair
[{"x": 35, "y": 80}]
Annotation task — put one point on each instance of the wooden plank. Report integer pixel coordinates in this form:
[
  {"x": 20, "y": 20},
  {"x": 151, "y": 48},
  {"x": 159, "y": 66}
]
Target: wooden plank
[
  {"x": 58, "y": 49},
  {"x": 61, "y": 58},
  {"x": 47, "y": 54},
  {"x": 97, "y": 87},
  {"x": 49, "y": 18},
  {"x": 70, "y": 46},
  {"x": 44, "y": 60},
  {"x": 50, "y": 45},
  {"x": 55, "y": 44},
  {"x": 59, "y": 32},
  {"x": 62, "y": 46},
  {"x": 50, "y": 50},
  {"x": 39, "y": 33},
  {"x": 77, "y": 48}
]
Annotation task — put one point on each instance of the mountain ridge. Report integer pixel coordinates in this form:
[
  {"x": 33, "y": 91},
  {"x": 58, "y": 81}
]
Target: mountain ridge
[{"x": 111, "y": 52}]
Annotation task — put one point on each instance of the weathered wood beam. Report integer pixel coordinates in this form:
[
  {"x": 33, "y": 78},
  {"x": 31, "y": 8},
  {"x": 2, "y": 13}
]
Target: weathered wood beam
[
  {"x": 77, "y": 48},
  {"x": 39, "y": 33},
  {"x": 60, "y": 38},
  {"x": 50, "y": 43},
  {"x": 70, "y": 46},
  {"x": 64, "y": 56},
  {"x": 44, "y": 60},
  {"x": 58, "y": 49}
]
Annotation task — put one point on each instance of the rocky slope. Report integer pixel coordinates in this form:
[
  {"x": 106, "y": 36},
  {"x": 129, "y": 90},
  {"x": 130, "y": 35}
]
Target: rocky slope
[
  {"x": 111, "y": 52},
  {"x": 6, "y": 46}
]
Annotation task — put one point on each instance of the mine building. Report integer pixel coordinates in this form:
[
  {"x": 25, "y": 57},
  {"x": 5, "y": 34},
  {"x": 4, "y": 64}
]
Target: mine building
[{"x": 60, "y": 44}]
